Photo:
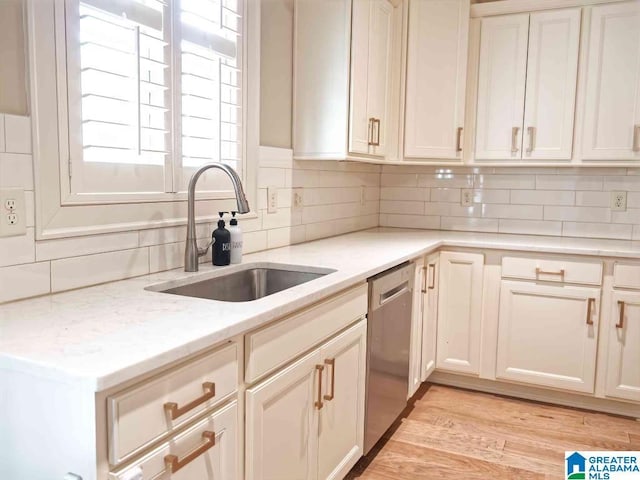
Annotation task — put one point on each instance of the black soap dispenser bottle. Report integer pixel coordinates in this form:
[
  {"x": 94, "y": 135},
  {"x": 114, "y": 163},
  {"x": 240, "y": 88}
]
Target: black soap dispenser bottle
[{"x": 221, "y": 244}]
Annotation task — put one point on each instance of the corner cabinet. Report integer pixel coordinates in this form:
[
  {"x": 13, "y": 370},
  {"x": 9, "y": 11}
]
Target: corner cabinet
[
  {"x": 460, "y": 312},
  {"x": 527, "y": 86},
  {"x": 307, "y": 421},
  {"x": 436, "y": 79},
  {"x": 611, "y": 128},
  {"x": 343, "y": 75}
]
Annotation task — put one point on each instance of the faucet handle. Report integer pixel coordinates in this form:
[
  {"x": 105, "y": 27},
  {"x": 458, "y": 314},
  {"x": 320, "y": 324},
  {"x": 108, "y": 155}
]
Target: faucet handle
[{"x": 203, "y": 251}]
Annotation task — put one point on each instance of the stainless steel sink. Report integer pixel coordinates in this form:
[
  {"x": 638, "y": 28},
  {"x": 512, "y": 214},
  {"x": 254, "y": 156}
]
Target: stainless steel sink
[{"x": 248, "y": 284}]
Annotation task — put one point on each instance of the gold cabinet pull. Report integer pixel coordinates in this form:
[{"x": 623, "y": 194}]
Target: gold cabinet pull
[
  {"x": 531, "y": 131},
  {"x": 539, "y": 271},
  {"x": 375, "y": 127},
  {"x": 590, "y": 303},
  {"x": 372, "y": 122},
  {"x": 173, "y": 463},
  {"x": 514, "y": 140},
  {"x": 636, "y": 136},
  {"x": 175, "y": 411},
  {"x": 425, "y": 272},
  {"x": 459, "y": 140},
  {"x": 432, "y": 285},
  {"x": 620, "y": 323},
  {"x": 332, "y": 363},
  {"x": 318, "y": 404}
]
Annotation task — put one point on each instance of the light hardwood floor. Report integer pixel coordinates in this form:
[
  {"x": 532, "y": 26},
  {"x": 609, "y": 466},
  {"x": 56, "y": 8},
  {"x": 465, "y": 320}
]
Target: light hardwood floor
[{"x": 450, "y": 433}]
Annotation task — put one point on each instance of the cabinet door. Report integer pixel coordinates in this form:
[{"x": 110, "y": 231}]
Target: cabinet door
[
  {"x": 359, "y": 124},
  {"x": 623, "y": 363},
  {"x": 552, "y": 69},
  {"x": 417, "y": 309},
  {"x": 612, "y": 104},
  {"x": 501, "y": 87},
  {"x": 282, "y": 423},
  {"x": 430, "y": 316},
  {"x": 547, "y": 335},
  {"x": 460, "y": 312},
  {"x": 341, "y": 437},
  {"x": 436, "y": 78}
]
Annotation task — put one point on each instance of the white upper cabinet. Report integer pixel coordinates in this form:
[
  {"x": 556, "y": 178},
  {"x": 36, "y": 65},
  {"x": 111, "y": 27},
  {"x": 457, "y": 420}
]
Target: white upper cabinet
[
  {"x": 527, "y": 86},
  {"x": 552, "y": 68},
  {"x": 371, "y": 40},
  {"x": 501, "y": 87},
  {"x": 436, "y": 78},
  {"x": 612, "y": 104}
]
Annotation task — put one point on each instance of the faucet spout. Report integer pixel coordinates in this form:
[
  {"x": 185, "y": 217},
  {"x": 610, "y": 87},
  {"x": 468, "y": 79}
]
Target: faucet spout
[{"x": 192, "y": 252}]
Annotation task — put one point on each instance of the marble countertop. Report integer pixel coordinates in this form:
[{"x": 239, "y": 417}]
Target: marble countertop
[{"x": 104, "y": 335}]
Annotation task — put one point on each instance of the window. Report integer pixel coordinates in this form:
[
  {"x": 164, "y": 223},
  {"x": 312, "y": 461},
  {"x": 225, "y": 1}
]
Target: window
[
  {"x": 129, "y": 98},
  {"x": 154, "y": 91}
]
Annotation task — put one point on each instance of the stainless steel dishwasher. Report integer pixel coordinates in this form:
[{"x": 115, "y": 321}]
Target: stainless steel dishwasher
[{"x": 388, "y": 345}]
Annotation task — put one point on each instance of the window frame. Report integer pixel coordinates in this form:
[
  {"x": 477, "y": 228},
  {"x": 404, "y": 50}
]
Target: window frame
[{"x": 61, "y": 213}]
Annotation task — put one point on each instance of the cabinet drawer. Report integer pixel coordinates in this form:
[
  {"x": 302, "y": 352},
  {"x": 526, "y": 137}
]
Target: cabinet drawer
[
  {"x": 626, "y": 275},
  {"x": 138, "y": 416},
  {"x": 277, "y": 344},
  {"x": 553, "y": 270},
  {"x": 206, "y": 451}
]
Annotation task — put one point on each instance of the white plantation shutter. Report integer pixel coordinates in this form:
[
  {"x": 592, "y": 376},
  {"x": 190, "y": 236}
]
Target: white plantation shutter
[{"x": 154, "y": 91}]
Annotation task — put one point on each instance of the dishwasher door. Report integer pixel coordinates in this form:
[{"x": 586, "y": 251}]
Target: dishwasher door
[{"x": 388, "y": 345}]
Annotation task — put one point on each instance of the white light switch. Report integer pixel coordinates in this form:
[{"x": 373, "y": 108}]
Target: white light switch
[{"x": 12, "y": 212}]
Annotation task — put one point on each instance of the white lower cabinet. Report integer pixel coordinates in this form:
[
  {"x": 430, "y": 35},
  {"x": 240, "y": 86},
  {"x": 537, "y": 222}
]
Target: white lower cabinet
[
  {"x": 623, "y": 362},
  {"x": 460, "y": 312},
  {"x": 206, "y": 451},
  {"x": 429, "y": 313},
  {"x": 307, "y": 421},
  {"x": 548, "y": 335}
]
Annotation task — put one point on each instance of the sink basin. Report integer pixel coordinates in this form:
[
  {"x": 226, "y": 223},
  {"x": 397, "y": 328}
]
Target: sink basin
[{"x": 249, "y": 284}]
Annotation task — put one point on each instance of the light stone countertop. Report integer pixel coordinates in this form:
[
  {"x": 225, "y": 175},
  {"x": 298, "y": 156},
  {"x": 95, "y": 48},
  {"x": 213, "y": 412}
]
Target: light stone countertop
[{"x": 104, "y": 335}]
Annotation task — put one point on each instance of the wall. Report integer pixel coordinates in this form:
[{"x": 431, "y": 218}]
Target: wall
[
  {"x": 13, "y": 91},
  {"x": 331, "y": 205},
  {"x": 567, "y": 202}
]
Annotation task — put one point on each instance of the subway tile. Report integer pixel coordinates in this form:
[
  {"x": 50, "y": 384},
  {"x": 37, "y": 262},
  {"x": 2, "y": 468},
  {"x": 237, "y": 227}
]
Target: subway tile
[
  {"x": 308, "y": 179},
  {"x": 16, "y": 170},
  {"x": 254, "y": 241},
  {"x": 633, "y": 200},
  {"x": 23, "y": 281},
  {"x": 314, "y": 231},
  {"x": 636, "y": 232},
  {"x": 446, "y": 180},
  {"x": 569, "y": 182},
  {"x": 280, "y": 237},
  {"x": 522, "y": 181},
  {"x": 429, "y": 222},
  {"x": 469, "y": 224},
  {"x": 593, "y": 199},
  {"x": 631, "y": 215},
  {"x": 490, "y": 196},
  {"x": 261, "y": 199},
  {"x": 79, "y": 272},
  {"x": 29, "y": 203},
  {"x": 330, "y": 166},
  {"x": 329, "y": 196},
  {"x": 629, "y": 183},
  {"x": 633, "y": 171},
  {"x": 577, "y": 214},
  {"x": 450, "y": 195},
  {"x": 353, "y": 224},
  {"x": 322, "y": 213},
  {"x": 2, "y": 146},
  {"x": 402, "y": 207},
  {"x": 284, "y": 197},
  {"x": 543, "y": 197},
  {"x": 159, "y": 236},
  {"x": 171, "y": 255},
  {"x": 404, "y": 193},
  {"x": 591, "y": 171},
  {"x": 520, "y": 170},
  {"x": 399, "y": 180},
  {"x": 530, "y": 227},
  {"x": 526, "y": 212},
  {"x": 282, "y": 218},
  {"x": 17, "y": 134},
  {"x": 372, "y": 193},
  {"x": 18, "y": 249},
  {"x": 597, "y": 230},
  {"x": 438, "y": 208},
  {"x": 78, "y": 246},
  {"x": 272, "y": 177}
]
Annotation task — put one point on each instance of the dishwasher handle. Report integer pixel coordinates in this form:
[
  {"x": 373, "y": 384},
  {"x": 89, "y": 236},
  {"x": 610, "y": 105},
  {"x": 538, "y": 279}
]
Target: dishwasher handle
[{"x": 394, "y": 293}]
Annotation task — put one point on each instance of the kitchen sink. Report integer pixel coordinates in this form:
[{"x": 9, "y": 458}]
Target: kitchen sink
[{"x": 245, "y": 285}]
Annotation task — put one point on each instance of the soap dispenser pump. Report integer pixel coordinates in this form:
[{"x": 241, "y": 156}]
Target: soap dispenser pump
[{"x": 221, "y": 239}]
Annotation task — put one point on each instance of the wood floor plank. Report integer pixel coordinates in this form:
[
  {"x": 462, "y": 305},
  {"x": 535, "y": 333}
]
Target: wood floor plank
[{"x": 450, "y": 433}]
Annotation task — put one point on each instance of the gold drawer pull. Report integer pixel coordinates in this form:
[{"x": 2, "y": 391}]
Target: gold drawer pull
[
  {"x": 332, "y": 362},
  {"x": 590, "y": 303},
  {"x": 175, "y": 411},
  {"x": 459, "y": 140},
  {"x": 173, "y": 463},
  {"x": 318, "y": 404},
  {"x": 425, "y": 272},
  {"x": 539, "y": 271},
  {"x": 620, "y": 323},
  {"x": 433, "y": 278},
  {"x": 514, "y": 140}
]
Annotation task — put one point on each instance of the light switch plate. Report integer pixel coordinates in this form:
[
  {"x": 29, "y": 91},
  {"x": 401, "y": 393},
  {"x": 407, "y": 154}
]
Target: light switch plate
[{"x": 13, "y": 213}]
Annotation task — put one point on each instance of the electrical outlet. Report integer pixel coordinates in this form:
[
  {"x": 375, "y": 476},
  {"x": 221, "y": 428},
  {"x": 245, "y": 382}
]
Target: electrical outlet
[
  {"x": 298, "y": 198},
  {"x": 272, "y": 200},
  {"x": 466, "y": 197},
  {"x": 618, "y": 201},
  {"x": 12, "y": 212}
]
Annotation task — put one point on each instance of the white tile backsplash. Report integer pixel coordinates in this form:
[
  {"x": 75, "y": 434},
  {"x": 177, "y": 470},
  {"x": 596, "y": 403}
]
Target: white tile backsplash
[
  {"x": 16, "y": 170},
  {"x": 21, "y": 281},
  {"x": 2, "y": 146},
  {"x": 17, "y": 134}
]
